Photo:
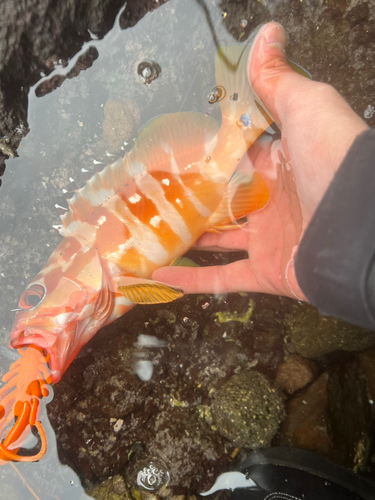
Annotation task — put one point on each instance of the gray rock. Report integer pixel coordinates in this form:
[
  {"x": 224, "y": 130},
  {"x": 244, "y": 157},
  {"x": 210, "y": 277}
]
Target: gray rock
[{"x": 34, "y": 36}]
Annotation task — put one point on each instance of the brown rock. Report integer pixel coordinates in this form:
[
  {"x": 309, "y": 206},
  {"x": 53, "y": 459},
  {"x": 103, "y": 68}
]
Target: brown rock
[
  {"x": 295, "y": 373},
  {"x": 112, "y": 489},
  {"x": 367, "y": 363},
  {"x": 306, "y": 425},
  {"x": 350, "y": 415}
]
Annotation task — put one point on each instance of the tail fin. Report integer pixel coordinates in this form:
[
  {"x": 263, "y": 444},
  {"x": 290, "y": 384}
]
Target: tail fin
[{"x": 237, "y": 100}]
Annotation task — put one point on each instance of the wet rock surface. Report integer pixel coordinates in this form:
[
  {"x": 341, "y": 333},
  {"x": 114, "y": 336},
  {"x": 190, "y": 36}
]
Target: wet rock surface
[
  {"x": 38, "y": 35},
  {"x": 367, "y": 362},
  {"x": 108, "y": 421},
  {"x": 34, "y": 36},
  {"x": 350, "y": 413},
  {"x": 313, "y": 335},
  {"x": 333, "y": 416},
  {"x": 84, "y": 61},
  {"x": 111, "y": 489},
  {"x": 248, "y": 410},
  {"x": 210, "y": 365},
  {"x": 307, "y": 422},
  {"x": 295, "y": 373}
]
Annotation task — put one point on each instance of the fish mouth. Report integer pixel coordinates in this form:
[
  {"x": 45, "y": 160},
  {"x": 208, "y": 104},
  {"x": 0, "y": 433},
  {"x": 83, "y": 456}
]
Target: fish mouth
[
  {"x": 41, "y": 339},
  {"x": 45, "y": 341}
]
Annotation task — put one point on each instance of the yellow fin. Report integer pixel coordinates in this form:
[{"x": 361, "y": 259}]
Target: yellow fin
[
  {"x": 144, "y": 291},
  {"x": 227, "y": 227},
  {"x": 244, "y": 195}
]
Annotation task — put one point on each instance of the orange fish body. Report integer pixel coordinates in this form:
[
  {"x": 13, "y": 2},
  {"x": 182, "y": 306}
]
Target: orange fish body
[{"x": 140, "y": 214}]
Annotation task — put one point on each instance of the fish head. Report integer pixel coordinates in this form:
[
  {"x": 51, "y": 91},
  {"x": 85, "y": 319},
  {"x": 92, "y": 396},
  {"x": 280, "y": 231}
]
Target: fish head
[{"x": 63, "y": 307}]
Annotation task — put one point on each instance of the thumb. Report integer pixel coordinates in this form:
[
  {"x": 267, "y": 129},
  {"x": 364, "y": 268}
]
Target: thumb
[
  {"x": 270, "y": 76},
  {"x": 317, "y": 125}
]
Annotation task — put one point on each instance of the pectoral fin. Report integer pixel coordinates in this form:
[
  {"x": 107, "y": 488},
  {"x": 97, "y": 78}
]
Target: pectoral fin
[
  {"x": 244, "y": 195},
  {"x": 144, "y": 291}
]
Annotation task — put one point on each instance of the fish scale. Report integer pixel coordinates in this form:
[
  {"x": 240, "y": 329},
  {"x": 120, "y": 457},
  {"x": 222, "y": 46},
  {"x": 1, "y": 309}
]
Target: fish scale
[{"x": 149, "y": 154}]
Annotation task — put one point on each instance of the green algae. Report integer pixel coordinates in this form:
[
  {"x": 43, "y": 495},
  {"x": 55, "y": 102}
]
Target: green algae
[{"x": 225, "y": 317}]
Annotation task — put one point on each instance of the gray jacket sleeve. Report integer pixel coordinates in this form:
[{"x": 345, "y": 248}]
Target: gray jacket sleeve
[{"x": 335, "y": 262}]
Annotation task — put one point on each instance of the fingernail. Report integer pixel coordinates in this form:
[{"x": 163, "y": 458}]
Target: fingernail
[{"x": 275, "y": 35}]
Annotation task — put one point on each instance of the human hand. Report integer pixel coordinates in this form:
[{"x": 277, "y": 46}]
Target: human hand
[{"x": 317, "y": 127}]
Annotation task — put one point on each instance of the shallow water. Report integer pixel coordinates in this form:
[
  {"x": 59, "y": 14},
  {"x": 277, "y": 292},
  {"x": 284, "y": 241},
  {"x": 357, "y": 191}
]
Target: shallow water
[
  {"x": 66, "y": 127},
  {"x": 66, "y": 136}
]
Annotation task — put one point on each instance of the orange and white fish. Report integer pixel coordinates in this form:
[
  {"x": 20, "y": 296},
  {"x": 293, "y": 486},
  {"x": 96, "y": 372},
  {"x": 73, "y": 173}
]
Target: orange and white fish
[{"x": 141, "y": 213}]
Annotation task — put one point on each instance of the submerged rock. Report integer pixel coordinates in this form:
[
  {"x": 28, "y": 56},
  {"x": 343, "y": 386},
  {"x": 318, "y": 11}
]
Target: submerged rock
[
  {"x": 313, "y": 335},
  {"x": 307, "y": 423},
  {"x": 367, "y": 361},
  {"x": 247, "y": 410},
  {"x": 295, "y": 373},
  {"x": 332, "y": 417},
  {"x": 350, "y": 415},
  {"x": 121, "y": 122},
  {"x": 113, "y": 488}
]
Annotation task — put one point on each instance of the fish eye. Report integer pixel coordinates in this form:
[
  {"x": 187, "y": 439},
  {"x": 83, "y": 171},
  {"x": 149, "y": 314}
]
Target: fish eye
[{"x": 32, "y": 296}]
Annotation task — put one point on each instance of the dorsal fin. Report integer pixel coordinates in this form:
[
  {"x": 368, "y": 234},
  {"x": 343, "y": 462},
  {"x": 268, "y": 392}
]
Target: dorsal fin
[
  {"x": 185, "y": 134},
  {"x": 182, "y": 135}
]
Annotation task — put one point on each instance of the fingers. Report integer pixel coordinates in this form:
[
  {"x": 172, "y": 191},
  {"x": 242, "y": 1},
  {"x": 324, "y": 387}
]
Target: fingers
[
  {"x": 282, "y": 90},
  {"x": 213, "y": 279},
  {"x": 317, "y": 124},
  {"x": 227, "y": 241},
  {"x": 269, "y": 73}
]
